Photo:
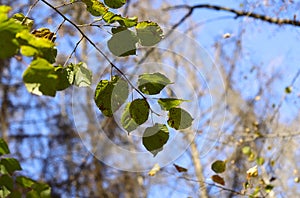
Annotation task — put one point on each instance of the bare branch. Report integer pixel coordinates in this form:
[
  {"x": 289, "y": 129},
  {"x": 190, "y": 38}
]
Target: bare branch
[{"x": 238, "y": 13}]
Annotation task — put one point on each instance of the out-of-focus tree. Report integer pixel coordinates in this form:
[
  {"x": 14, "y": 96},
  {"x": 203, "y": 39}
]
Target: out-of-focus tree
[{"x": 244, "y": 101}]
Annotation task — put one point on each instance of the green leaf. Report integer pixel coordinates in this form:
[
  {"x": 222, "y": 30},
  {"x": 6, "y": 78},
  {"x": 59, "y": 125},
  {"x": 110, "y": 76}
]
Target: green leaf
[
  {"x": 8, "y": 30},
  {"x": 110, "y": 95},
  {"x": 179, "y": 118},
  {"x": 149, "y": 33},
  {"x": 4, "y": 10},
  {"x": 246, "y": 150},
  {"x": 269, "y": 188},
  {"x": 110, "y": 17},
  {"x": 218, "y": 166},
  {"x": 37, "y": 47},
  {"x": 122, "y": 43},
  {"x": 288, "y": 89},
  {"x": 4, "y": 192},
  {"x": 63, "y": 78},
  {"x": 32, "y": 194},
  {"x": 260, "y": 161},
  {"x": 42, "y": 189},
  {"x": 25, "y": 181},
  {"x": 82, "y": 76},
  {"x": 95, "y": 7},
  {"x": 16, "y": 194},
  {"x": 7, "y": 181},
  {"x": 40, "y": 78},
  {"x": 139, "y": 111},
  {"x": 126, "y": 120},
  {"x": 3, "y": 147},
  {"x": 154, "y": 138},
  {"x": 114, "y": 3},
  {"x": 152, "y": 84},
  {"x": 11, "y": 165},
  {"x": 168, "y": 103},
  {"x": 22, "y": 19}
]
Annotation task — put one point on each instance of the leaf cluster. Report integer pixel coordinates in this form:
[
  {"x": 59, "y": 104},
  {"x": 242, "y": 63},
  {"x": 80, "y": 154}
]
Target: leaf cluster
[{"x": 17, "y": 186}]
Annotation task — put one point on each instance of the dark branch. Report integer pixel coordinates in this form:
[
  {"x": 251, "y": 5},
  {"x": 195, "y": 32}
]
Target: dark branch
[{"x": 238, "y": 14}]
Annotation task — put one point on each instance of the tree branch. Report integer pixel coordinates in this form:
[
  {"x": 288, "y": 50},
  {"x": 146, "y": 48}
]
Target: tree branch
[{"x": 238, "y": 14}]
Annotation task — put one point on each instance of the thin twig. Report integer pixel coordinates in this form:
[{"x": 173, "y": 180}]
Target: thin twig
[
  {"x": 77, "y": 44},
  {"x": 95, "y": 46},
  {"x": 238, "y": 13}
]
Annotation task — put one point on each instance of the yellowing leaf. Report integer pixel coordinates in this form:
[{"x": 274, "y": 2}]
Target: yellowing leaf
[
  {"x": 252, "y": 172},
  {"x": 154, "y": 170},
  {"x": 218, "y": 166},
  {"x": 218, "y": 179}
]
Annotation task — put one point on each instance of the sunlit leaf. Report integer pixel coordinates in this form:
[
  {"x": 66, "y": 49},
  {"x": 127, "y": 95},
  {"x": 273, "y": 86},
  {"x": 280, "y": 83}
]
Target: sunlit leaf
[
  {"x": 11, "y": 165},
  {"x": 82, "y": 75},
  {"x": 126, "y": 120},
  {"x": 152, "y": 84},
  {"x": 218, "y": 179},
  {"x": 42, "y": 189},
  {"x": 110, "y": 95},
  {"x": 154, "y": 138},
  {"x": 260, "y": 161},
  {"x": 252, "y": 172},
  {"x": 3, "y": 147},
  {"x": 36, "y": 46},
  {"x": 44, "y": 33},
  {"x": 41, "y": 75},
  {"x": 179, "y": 118},
  {"x": 114, "y": 3},
  {"x": 110, "y": 17},
  {"x": 149, "y": 33},
  {"x": 154, "y": 170},
  {"x": 95, "y": 7},
  {"x": 168, "y": 103},
  {"x": 122, "y": 43},
  {"x": 246, "y": 150},
  {"x": 8, "y": 30},
  {"x": 180, "y": 169},
  {"x": 139, "y": 111},
  {"x": 3, "y": 12},
  {"x": 25, "y": 181},
  {"x": 218, "y": 166},
  {"x": 22, "y": 19}
]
